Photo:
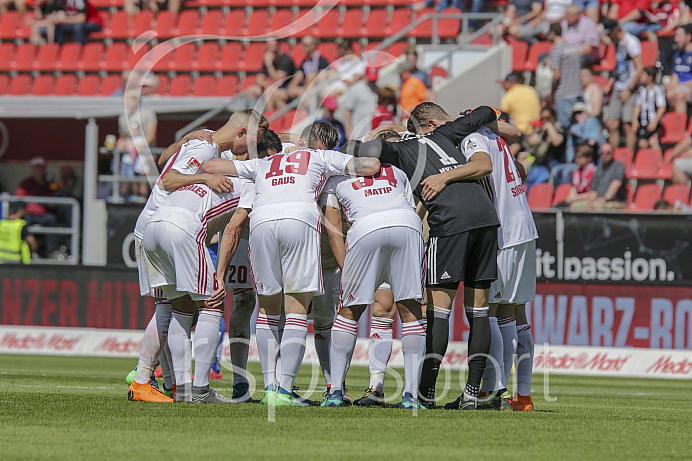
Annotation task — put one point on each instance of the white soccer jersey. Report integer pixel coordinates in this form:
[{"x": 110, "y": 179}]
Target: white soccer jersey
[
  {"x": 373, "y": 202},
  {"x": 188, "y": 160},
  {"x": 287, "y": 186},
  {"x": 193, "y": 207},
  {"x": 504, "y": 188}
]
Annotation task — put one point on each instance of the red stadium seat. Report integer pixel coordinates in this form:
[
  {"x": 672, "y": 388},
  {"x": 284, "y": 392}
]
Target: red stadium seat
[
  {"x": 181, "y": 85},
  {"x": 646, "y": 164},
  {"x": 329, "y": 50},
  {"x": 69, "y": 57},
  {"x": 646, "y": 196},
  {"x": 258, "y": 23},
  {"x": 165, "y": 21},
  {"x": 19, "y": 86},
  {"x": 519, "y": 51},
  {"x": 43, "y": 85},
  {"x": 65, "y": 85},
  {"x": 676, "y": 192},
  {"x": 136, "y": 55},
  {"x": 535, "y": 52},
  {"x": 211, "y": 22},
  {"x": 397, "y": 48},
  {"x": 248, "y": 81},
  {"x": 88, "y": 85},
  {"x": 208, "y": 57},
  {"x": 608, "y": 62},
  {"x": 649, "y": 53},
  {"x": 437, "y": 75},
  {"x": 541, "y": 196},
  {"x": 561, "y": 193},
  {"x": 4, "y": 83},
  {"x": 624, "y": 155},
  {"x": 110, "y": 84},
  {"x": 230, "y": 61},
  {"x": 9, "y": 22},
  {"x": 24, "y": 59},
  {"x": 423, "y": 29},
  {"x": 254, "y": 57},
  {"x": 666, "y": 170},
  {"x": 352, "y": 26},
  {"x": 114, "y": 59},
  {"x": 7, "y": 51},
  {"x": 23, "y": 31},
  {"x": 227, "y": 85},
  {"x": 376, "y": 24},
  {"x": 298, "y": 55},
  {"x": 328, "y": 24},
  {"x": 162, "y": 90},
  {"x": 46, "y": 57},
  {"x": 305, "y": 23},
  {"x": 187, "y": 23},
  {"x": 119, "y": 27},
  {"x": 673, "y": 124},
  {"x": 233, "y": 25},
  {"x": 400, "y": 19},
  {"x": 205, "y": 86},
  {"x": 93, "y": 59},
  {"x": 281, "y": 20},
  {"x": 184, "y": 58}
]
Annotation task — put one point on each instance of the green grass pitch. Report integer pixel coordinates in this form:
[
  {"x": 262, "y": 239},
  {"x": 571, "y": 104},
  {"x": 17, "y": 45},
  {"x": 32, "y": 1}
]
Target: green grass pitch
[{"x": 76, "y": 408}]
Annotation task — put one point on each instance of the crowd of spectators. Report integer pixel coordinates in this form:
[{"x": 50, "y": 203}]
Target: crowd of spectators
[{"x": 573, "y": 123}]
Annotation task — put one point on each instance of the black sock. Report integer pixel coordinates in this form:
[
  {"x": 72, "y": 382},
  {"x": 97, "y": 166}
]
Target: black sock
[
  {"x": 479, "y": 345},
  {"x": 436, "y": 341}
]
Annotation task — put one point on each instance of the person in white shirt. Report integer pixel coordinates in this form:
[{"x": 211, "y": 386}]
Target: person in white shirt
[{"x": 285, "y": 249}]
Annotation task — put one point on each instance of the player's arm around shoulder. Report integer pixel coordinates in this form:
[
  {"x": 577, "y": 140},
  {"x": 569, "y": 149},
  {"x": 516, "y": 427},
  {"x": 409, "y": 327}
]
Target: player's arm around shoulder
[
  {"x": 506, "y": 131},
  {"x": 227, "y": 248},
  {"x": 339, "y": 163},
  {"x": 332, "y": 218}
]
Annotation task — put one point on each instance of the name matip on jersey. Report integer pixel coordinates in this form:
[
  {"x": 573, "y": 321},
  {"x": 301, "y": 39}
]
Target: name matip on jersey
[
  {"x": 373, "y": 202},
  {"x": 504, "y": 188},
  {"x": 195, "y": 207},
  {"x": 188, "y": 160},
  {"x": 287, "y": 186}
]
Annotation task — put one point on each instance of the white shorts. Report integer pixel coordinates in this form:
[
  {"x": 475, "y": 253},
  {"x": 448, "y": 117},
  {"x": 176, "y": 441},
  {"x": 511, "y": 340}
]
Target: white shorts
[
  {"x": 325, "y": 305},
  {"x": 143, "y": 265},
  {"x": 179, "y": 264},
  {"x": 394, "y": 255},
  {"x": 238, "y": 277},
  {"x": 285, "y": 255},
  {"x": 516, "y": 275}
]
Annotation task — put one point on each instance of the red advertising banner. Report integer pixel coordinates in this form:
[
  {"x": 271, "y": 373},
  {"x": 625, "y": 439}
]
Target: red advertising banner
[{"x": 605, "y": 315}]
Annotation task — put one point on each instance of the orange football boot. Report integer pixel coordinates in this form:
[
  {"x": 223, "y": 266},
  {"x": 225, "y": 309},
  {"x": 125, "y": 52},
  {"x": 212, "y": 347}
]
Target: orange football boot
[
  {"x": 146, "y": 393},
  {"x": 522, "y": 403}
]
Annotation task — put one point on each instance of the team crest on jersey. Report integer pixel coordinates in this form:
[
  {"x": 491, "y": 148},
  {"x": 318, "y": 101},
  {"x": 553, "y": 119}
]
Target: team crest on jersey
[{"x": 471, "y": 144}]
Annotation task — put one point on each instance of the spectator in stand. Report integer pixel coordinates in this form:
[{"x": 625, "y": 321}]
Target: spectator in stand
[
  {"x": 593, "y": 94},
  {"x": 582, "y": 32},
  {"x": 662, "y": 19},
  {"x": 137, "y": 130},
  {"x": 39, "y": 185},
  {"x": 608, "y": 189},
  {"x": 413, "y": 91},
  {"x": 16, "y": 244},
  {"x": 19, "y": 5},
  {"x": 628, "y": 13},
  {"x": 310, "y": 69},
  {"x": 349, "y": 68},
  {"x": 581, "y": 177},
  {"x": 547, "y": 145},
  {"x": 648, "y": 111},
  {"x": 386, "y": 106},
  {"x": 628, "y": 70},
  {"x": 360, "y": 105},
  {"x": 591, "y": 8},
  {"x": 77, "y": 18},
  {"x": 679, "y": 89},
  {"x": 520, "y": 102},
  {"x": 132, "y": 6},
  {"x": 520, "y": 13},
  {"x": 329, "y": 106},
  {"x": 423, "y": 76},
  {"x": 277, "y": 67},
  {"x": 41, "y": 24},
  {"x": 586, "y": 131},
  {"x": 566, "y": 64},
  {"x": 554, "y": 11}
]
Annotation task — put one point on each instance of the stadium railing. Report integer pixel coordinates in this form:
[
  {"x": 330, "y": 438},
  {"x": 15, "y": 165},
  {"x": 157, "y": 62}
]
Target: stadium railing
[
  {"x": 72, "y": 231},
  {"x": 116, "y": 178}
]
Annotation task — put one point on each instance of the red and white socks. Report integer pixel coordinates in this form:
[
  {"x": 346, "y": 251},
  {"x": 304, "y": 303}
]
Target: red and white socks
[
  {"x": 292, "y": 348},
  {"x": 413, "y": 349},
  {"x": 267, "y": 336},
  {"x": 379, "y": 351},
  {"x": 343, "y": 342},
  {"x": 205, "y": 344}
]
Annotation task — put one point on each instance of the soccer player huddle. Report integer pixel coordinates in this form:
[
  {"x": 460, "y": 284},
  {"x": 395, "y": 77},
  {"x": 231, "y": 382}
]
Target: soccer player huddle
[{"x": 267, "y": 195}]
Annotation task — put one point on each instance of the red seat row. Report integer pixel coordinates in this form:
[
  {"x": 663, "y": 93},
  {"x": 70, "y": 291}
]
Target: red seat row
[{"x": 543, "y": 196}]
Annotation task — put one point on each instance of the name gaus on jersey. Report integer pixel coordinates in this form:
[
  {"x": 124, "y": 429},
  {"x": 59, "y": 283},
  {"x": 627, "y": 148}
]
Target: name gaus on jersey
[
  {"x": 283, "y": 180},
  {"x": 196, "y": 189}
]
